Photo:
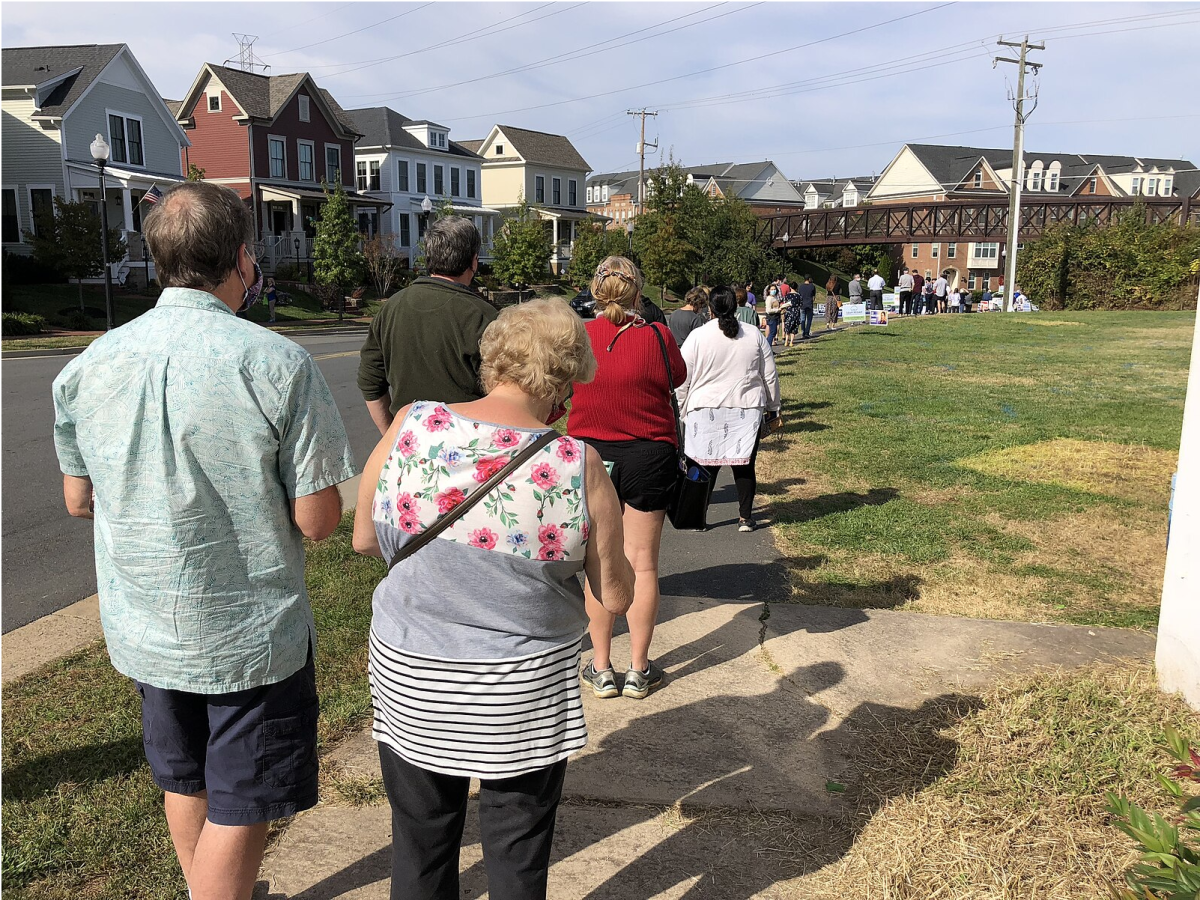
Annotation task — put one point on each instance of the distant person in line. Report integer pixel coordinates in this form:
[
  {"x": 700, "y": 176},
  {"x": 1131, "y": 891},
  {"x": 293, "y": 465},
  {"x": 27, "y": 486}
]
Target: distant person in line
[
  {"x": 785, "y": 289},
  {"x": 855, "y": 290},
  {"x": 690, "y": 316},
  {"x": 751, "y": 300},
  {"x": 905, "y": 287},
  {"x": 833, "y": 287},
  {"x": 745, "y": 312},
  {"x": 272, "y": 298},
  {"x": 966, "y": 296},
  {"x": 985, "y": 302},
  {"x": 772, "y": 307},
  {"x": 930, "y": 299},
  {"x": 207, "y": 449},
  {"x": 875, "y": 284},
  {"x": 918, "y": 294},
  {"x": 650, "y": 311},
  {"x": 731, "y": 384},
  {"x": 424, "y": 342},
  {"x": 807, "y": 299},
  {"x": 791, "y": 318},
  {"x": 956, "y": 300},
  {"x": 625, "y": 413},
  {"x": 941, "y": 288},
  {"x": 476, "y": 636}
]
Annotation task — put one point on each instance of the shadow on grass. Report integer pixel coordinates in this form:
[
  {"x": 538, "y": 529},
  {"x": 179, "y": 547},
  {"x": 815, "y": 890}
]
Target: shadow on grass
[
  {"x": 39, "y": 775},
  {"x": 788, "y": 511}
]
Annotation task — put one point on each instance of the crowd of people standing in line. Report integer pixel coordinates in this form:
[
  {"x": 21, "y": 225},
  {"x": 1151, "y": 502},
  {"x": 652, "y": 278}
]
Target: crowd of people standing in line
[{"x": 476, "y": 631}]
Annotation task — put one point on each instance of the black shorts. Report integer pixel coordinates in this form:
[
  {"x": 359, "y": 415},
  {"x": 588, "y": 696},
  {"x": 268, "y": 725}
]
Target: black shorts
[
  {"x": 643, "y": 472},
  {"x": 254, "y": 751}
]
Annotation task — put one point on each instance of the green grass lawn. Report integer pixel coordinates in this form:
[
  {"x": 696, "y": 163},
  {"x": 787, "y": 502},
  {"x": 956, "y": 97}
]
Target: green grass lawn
[
  {"x": 81, "y": 815},
  {"x": 1005, "y": 466}
]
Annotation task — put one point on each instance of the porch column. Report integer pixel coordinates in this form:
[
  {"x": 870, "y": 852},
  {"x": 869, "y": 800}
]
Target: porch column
[
  {"x": 127, "y": 209},
  {"x": 296, "y": 224}
]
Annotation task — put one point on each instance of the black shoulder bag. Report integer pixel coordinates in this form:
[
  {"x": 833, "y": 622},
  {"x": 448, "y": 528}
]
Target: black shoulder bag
[
  {"x": 484, "y": 489},
  {"x": 688, "y": 506}
]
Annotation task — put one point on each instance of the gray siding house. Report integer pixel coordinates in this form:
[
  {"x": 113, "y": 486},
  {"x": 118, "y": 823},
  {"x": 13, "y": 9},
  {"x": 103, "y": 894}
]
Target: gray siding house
[{"x": 55, "y": 101}]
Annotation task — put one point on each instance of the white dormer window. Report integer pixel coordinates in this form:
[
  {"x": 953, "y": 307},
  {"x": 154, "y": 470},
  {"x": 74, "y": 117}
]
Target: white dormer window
[
  {"x": 499, "y": 149},
  {"x": 1035, "y": 180},
  {"x": 589, "y": 195},
  {"x": 1052, "y": 181},
  {"x": 605, "y": 191},
  {"x": 1168, "y": 183},
  {"x": 1137, "y": 185},
  {"x": 303, "y": 100},
  {"x": 1151, "y": 189},
  {"x": 978, "y": 180},
  {"x": 214, "y": 102}
]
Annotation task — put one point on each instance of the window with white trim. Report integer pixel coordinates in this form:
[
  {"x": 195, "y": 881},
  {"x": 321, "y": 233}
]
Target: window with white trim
[
  {"x": 572, "y": 192},
  {"x": 405, "y": 230},
  {"x": 1151, "y": 186},
  {"x": 1052, "y": 180},
  {"x": 1137, "y": 186},
  {"x": 422, "y": 182},
  {"x": 589, "y": 195},
  {"x": 556, "y": 191},
  {"x": 303, "y": 107},
  {"x": 916, "y": 250},
  {"x": 455, "y": 181},
  {"x": 471, "y": 184},
  {"x": 374, "y": 181},
  {"x": 499, "y": 149},
  {"x": 41, "y": 207},
  {"x": 539, "y": 188},
  {"x": 12, "y": 217},
  {"x": 214, "y": 102},
  {"x": 402, "y": 176},
  {"x": 951, "y": 250},
  {"x": 125, "y": 139},
  {"x": 987, "y": 251},
  {"x": 1035, "y": 180},
  {"x": 1093, "y": 184},
  {"x": 978, "y": 182},
  {"x": 439, "y": 179},
  {"x": 605, "y": 189},
  {"x": 1167, "y": 186},
  {"x": 333, "y": 163},
  {"x": 971, "y": 281},
  {"x": 361, "y": 174},
  {"x": 935, "y": 250},
  {"x": 277, "y": 155},
  {"x": 305, "y": 152}
]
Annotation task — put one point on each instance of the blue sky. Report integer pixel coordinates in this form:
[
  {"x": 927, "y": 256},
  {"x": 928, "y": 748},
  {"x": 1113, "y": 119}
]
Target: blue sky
[{"x": 841, "y": 105}]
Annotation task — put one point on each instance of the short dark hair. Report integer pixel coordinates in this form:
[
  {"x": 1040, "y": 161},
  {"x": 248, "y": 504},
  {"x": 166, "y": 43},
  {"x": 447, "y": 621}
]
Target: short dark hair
[
  {"x": 451, "y": 245},
  {"x": 194, "y": 233},
  {"x": 808, "y": 278}
]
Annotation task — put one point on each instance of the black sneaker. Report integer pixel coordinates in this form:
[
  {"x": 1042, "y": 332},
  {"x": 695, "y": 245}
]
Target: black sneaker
[
  {"x": 603, "y": 684},
  {"x": 639, "y": 684}
]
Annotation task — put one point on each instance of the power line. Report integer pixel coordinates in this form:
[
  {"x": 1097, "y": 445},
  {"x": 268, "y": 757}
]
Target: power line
[
  {"x": 589, "y": 48},
  {"x": 487, "y": 31},
  {"x": 408, "y": 12},
  {"x": 753, "y": 59}
]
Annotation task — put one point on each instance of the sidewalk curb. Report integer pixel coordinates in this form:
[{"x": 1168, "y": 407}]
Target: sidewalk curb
[
  {"x": 61, "y": 633},
  {"x": 331, "y": 330}
]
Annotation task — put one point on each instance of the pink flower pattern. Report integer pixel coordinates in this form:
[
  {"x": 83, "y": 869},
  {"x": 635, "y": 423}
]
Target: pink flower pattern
[{"x": 545, "y": 498}]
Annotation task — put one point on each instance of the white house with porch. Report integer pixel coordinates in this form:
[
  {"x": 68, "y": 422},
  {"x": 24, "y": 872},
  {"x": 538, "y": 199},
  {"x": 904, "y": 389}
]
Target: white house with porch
[
  {"x": 408, "y": 162},
  {"x": 544, "y": 169},
  {"x": 55, "y": 101}
]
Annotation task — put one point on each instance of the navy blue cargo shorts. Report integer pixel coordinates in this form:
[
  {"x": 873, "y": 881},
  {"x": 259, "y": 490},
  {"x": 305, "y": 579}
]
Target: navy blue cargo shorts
[{"x": 254, "y": 751}]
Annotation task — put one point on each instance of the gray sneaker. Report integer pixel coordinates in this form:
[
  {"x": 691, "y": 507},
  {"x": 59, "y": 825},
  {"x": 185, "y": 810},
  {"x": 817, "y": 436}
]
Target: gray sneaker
[
  {"x": 639, "y": 684},
  {"x": 603, "y": 684}
]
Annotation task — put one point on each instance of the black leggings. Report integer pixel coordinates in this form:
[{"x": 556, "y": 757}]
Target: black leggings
[{"x": 744, "y": 478}]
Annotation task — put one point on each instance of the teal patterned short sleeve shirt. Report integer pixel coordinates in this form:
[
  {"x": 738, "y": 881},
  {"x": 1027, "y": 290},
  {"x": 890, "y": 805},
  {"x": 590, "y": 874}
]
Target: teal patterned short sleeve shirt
[{"x": 197, "y": 428}]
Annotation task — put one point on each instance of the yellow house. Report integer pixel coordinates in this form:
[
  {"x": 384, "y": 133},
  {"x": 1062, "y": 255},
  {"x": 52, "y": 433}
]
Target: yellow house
[{"x": 544, "y": 169}]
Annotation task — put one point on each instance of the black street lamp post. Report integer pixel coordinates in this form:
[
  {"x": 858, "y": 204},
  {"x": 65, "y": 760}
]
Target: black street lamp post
[
  {"x": 100, "y": 152},
  {"x": 296, "y": 243}
]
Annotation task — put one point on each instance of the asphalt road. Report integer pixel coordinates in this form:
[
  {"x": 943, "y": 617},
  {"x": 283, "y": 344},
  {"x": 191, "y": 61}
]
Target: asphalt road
[{"x": 47, "y": 555}]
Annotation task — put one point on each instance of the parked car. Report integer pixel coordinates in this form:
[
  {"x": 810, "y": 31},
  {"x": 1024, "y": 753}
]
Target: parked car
[{"x": 584, "y": 304}]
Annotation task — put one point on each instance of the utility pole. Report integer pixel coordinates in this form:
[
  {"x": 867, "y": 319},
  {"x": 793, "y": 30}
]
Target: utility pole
[
  {"x": 641, "y": 197},
  {"x": 1014, "y": 194}
]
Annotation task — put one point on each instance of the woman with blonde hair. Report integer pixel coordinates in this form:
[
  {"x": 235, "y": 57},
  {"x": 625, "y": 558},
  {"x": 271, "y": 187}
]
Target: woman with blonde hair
[
  {"x": 486, "y": 517},
  {"x": 626, "y": 415}
]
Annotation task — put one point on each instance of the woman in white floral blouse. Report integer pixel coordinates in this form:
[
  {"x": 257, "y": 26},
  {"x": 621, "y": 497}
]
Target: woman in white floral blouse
[{"x": 475, "y": 637}]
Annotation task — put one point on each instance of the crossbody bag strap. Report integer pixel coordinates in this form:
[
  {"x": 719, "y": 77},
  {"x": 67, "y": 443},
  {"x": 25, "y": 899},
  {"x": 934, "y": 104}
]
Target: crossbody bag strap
[
  {"x": 448, "y": 519},
  {"x": 679, "y": 432}
]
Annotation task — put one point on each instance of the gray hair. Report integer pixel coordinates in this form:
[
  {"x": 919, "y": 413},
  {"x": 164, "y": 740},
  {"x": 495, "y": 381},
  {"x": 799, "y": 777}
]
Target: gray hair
[
  {"x": 451, "y": 245},
  {"x": 195, "y": 232}
]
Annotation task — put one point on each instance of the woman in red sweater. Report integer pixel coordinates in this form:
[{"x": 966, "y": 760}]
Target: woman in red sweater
[{"x": 625, "y": 414}]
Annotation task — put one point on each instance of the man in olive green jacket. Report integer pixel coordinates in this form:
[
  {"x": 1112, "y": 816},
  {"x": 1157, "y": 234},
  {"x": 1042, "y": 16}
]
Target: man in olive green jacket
[{"x": 424, "y": 343}]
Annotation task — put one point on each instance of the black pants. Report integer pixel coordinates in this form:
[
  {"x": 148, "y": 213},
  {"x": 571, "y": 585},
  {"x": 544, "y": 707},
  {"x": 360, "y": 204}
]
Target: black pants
[
  {"x": 516, "y": 823},
  {"x": 806, "y": 314},
  {"x": 744, "y": 478},
  {"x": 905, "y": 303}
]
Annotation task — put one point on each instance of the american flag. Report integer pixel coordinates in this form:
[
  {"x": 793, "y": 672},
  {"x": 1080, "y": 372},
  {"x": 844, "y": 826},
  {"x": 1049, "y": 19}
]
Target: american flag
[{"x": 153, "y": 195}]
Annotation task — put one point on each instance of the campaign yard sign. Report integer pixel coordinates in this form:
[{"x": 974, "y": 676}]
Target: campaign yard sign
[
  {"x": 879, "y": 317},
  {"x": 854, "y": 312}
]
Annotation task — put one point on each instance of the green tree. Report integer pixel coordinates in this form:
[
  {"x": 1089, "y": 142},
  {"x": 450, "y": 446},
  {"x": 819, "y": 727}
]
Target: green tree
[
  {"x": 68, "y": 240},
  {"x": 337, "y": 262},
  {"x": 521, "y": 249},
  {"x": 194, "y": 172},
  {"x": 589, "y": 250},
  {"x": 661, "y": 249}
]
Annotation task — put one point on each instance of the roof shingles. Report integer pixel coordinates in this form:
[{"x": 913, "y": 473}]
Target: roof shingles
[{"x": 39, "y": 65}]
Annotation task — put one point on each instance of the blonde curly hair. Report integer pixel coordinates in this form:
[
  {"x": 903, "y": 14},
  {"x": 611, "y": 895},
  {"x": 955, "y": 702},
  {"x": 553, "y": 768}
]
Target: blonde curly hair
[
  {"x": 616, "y": 288},
  {"x": 541, "y": 347}
]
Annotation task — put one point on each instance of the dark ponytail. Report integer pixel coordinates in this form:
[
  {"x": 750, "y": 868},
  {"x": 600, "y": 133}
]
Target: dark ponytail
[{"x": 724, "y": 304}]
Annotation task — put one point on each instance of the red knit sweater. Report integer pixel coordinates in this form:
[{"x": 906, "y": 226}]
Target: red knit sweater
[{"x": 629, "y": 398}]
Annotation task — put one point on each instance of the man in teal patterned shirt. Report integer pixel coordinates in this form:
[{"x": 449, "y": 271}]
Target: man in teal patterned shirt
[{"x": 206, "y": 448}]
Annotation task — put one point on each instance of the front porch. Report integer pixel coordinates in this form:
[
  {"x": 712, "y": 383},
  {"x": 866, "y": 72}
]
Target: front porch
[
  {"x": 287, "y": 219},
  {"x": 124, "y": 193},
  {"x": 562, "y": 225}
]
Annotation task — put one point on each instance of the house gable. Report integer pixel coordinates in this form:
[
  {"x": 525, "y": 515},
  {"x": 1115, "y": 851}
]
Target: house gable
[
  {"x": 904, "y": 176},
  {"x": 989, "y": 179}
]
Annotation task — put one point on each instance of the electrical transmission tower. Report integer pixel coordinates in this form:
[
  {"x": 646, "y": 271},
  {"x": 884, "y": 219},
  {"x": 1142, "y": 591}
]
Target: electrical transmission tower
[
  {"x": 246, "y": 60},
  {"x": 1018, "y": 175}
]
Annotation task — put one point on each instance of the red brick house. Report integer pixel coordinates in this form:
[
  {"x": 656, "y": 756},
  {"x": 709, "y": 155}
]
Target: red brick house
[{"x": 275, "y": 140}]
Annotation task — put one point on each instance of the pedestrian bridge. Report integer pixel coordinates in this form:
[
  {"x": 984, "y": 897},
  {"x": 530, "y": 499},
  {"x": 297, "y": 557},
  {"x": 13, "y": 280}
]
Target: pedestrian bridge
[{"x": 954, "y": 220}]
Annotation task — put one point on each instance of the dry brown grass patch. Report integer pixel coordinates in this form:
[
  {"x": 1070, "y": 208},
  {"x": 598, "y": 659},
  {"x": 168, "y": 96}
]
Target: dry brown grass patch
[
  {"x": 1052, "y": 323},
  {"x": 1131, "y": 472},
  {"x": 1021, "y": 812}
]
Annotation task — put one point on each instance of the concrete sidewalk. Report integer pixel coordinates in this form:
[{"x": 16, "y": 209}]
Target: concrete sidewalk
[{"x": 729, "y": 782}]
